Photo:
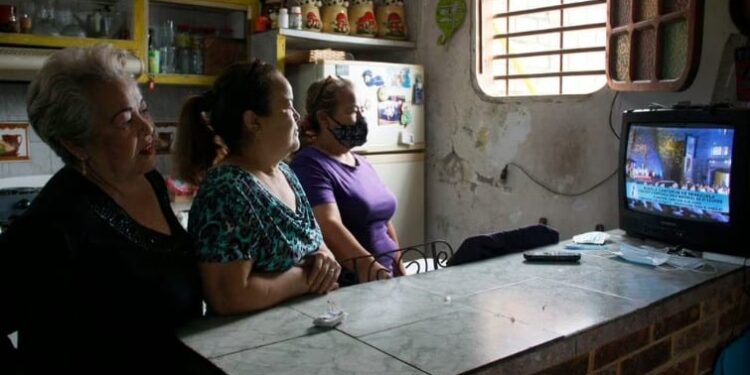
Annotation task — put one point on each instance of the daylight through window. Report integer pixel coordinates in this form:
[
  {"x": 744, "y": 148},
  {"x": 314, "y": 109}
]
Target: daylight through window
[{"x": 541, "y": 47}]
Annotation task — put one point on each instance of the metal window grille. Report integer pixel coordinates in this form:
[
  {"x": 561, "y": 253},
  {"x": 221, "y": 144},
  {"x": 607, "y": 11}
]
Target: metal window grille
[{"x": 542, "y": 47}]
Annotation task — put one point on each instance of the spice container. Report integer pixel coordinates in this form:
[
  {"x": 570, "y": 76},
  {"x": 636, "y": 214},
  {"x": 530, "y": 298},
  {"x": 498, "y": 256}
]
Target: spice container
[
  {"x": 295, "y": 19},
  {"x": 283, "y": 18},
  {"x": 26, "y": 24}
]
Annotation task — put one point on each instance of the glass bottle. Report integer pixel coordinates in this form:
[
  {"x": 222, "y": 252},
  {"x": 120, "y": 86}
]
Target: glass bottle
[
  {"x": 183, "y": 49},
  {"x": 283, "y": 18},
  {"x": 153, "y": 53},
  {"x": 196, "y": 61},
  {"x": 295, "y": 20},
  {"x": 46, "y": 24},
  {"x": 167, "y": 48}
]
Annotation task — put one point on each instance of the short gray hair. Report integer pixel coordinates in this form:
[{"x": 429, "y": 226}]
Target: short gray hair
[{"x": 57, "y": 102}]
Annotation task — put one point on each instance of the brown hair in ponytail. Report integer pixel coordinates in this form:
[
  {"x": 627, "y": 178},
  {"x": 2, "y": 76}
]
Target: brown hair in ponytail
[{"x": 211, "y": 124}]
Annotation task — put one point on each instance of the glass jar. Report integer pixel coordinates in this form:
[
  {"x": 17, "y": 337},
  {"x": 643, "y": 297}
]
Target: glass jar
[
  {"x": 196, "y": 61},
  {"x": 295, "y": 19}
]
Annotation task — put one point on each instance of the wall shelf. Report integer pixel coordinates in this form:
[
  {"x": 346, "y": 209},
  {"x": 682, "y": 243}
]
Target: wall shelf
[
  {"x": 301, "y": 39},
  {"x": 271, "y": 46}
]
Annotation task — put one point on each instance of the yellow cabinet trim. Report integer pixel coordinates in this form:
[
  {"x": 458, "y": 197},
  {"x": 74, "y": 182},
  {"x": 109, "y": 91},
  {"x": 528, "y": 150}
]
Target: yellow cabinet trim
[
  {"x": 223, "y": 4},
  {"x": 62, "y": 41},
  {"x": 179, "y": 79}
]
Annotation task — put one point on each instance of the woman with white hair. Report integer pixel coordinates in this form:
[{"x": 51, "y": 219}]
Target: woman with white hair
[{"x": 98, "y": 273}]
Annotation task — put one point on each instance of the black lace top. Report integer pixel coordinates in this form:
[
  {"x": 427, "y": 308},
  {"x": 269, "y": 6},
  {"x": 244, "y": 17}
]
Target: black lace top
[{"x": 90, "y": 290}]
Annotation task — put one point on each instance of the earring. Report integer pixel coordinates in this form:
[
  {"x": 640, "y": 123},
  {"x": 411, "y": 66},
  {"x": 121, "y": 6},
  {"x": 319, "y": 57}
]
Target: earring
[{"x": 83, "y": 167}]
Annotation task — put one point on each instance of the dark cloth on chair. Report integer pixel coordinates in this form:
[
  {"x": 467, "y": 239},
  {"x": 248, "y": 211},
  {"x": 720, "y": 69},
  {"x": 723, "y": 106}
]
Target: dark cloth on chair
[
  {"x": 487, "y": 246},
  {"x": 89, "y": 290}
]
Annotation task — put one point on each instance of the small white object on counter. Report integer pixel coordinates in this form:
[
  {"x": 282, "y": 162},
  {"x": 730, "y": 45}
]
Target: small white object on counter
[
  {"x": 597, "y": 238},
  {"x": 330, "y": 319}
]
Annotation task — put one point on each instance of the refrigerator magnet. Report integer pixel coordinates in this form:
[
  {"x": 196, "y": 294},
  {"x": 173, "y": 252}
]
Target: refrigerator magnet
[
  {"x": 371, "y": 79},
  {"x": 389, "y": 111},
  {"x": 418, "y": 93},
  {"x": 342, "y": 70},
  {"x": 406, "y": 117}
]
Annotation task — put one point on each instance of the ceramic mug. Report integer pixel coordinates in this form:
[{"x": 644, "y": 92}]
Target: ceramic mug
[
  {"x": 391, "y": 22},
  {"x": 362, "y": 20},
  {"x": 335, "y": 19},
  {"x": 311, "y": 17}
]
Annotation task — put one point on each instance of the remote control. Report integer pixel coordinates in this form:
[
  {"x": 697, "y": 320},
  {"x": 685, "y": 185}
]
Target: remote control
[{"x": 551, "y": 256}]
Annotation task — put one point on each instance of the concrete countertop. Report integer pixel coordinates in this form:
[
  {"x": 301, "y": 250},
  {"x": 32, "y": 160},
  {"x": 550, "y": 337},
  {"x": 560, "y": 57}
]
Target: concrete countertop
[{"x": 447, "y": 321}]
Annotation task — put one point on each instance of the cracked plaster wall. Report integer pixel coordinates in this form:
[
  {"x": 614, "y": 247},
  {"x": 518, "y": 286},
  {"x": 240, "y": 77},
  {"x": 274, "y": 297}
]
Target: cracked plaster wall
[{"x": 565, "y": 141}]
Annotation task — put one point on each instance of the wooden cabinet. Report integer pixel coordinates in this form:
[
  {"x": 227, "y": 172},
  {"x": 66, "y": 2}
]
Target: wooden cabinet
[
  {"x": 123, "y": 19},
  {"x": 228, "y": 18},
  {"x": 274, "y": 46},
  {"x": 132, "y": 20}
]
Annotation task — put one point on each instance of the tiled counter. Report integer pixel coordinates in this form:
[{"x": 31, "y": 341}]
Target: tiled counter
[{"x": 498, "y": 316}]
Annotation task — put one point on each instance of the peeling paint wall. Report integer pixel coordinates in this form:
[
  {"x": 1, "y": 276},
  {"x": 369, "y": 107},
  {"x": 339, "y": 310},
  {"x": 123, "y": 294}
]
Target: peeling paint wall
[{"x": 565, "y": 142}]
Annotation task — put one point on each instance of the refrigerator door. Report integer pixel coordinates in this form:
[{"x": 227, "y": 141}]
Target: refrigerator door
[
  {"x": 403, "y": 174},
  {"x": 390, "y": 95}
]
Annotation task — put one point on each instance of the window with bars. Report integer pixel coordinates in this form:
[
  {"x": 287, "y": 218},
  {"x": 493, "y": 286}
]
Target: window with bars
[{"x": 541, "y": 47}]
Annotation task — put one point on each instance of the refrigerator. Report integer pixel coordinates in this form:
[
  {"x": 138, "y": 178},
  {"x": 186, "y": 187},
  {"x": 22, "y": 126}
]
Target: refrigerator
[{"x": 392, "y": 100}]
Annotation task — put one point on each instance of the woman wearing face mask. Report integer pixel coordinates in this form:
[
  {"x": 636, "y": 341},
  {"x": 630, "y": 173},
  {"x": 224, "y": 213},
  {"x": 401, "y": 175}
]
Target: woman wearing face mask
[
  {"x": 350, "y": 202},
  {"x": 258, "y": 243}
]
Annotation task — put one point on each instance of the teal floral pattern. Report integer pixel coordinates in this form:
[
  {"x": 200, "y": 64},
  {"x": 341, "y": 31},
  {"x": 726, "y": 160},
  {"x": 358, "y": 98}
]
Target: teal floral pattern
[{"x": 234, "y": 217}]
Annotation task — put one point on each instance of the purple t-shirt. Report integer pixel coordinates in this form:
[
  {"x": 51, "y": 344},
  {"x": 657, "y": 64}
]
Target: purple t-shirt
[{"x": 365, "y": 203}]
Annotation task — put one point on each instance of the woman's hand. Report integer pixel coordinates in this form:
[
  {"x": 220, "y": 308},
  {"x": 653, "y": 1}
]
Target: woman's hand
[
  {"x": 323, "y": 271},
  {"x": 400, "y": 270},
  {"x": 372, "y": 271}
]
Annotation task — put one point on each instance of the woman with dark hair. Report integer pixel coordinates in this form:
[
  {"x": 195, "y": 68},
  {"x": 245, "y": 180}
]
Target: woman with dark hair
[
  {"x": 258, "y": 242},
  {"x": 351, "y": 203},
  {"x": 98, "y": 274}
]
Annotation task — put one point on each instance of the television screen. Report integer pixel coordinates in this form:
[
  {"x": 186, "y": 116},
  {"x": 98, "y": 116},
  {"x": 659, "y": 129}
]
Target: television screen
[{"x": 679, "y": 172}]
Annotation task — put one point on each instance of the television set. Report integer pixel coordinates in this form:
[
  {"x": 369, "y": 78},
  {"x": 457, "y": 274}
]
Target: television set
[{"x": 685, "y": 177}]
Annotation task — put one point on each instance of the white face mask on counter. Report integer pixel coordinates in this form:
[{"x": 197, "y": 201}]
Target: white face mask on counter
[{"x": 642, "y": 256}]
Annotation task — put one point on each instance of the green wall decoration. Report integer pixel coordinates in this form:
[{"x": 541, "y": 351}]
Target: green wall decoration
[{"x": 449, "y": 15}]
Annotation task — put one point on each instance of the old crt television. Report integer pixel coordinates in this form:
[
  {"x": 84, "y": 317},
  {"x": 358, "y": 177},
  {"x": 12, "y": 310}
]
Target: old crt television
[{"x": 684, "y": 178}]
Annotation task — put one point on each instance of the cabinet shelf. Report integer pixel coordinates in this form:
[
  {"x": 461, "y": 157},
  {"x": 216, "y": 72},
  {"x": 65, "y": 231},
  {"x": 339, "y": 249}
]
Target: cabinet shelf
[
  {"x": 301, "y": 39},
  {"x": 62, "y": 41},
  {"x": 180, "y": 79}
]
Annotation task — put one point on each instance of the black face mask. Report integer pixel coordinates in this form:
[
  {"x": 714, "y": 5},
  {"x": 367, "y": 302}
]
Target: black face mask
[{"x": 351, "y": 136}]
